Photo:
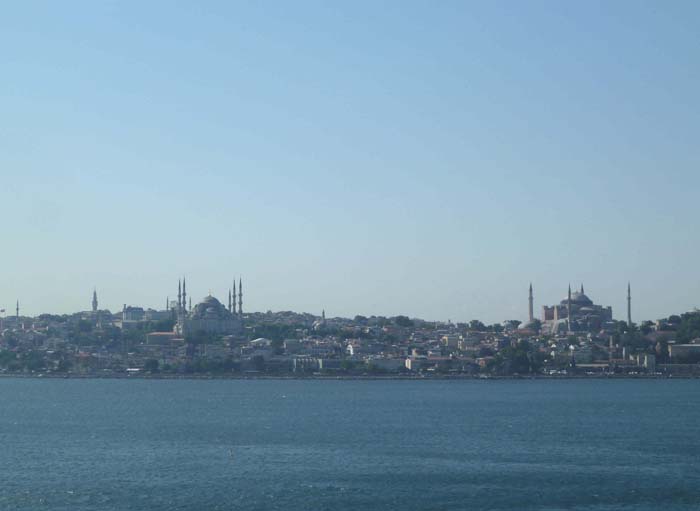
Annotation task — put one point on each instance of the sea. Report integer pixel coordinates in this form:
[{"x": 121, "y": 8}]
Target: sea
[{"x": 121, "y": 444}]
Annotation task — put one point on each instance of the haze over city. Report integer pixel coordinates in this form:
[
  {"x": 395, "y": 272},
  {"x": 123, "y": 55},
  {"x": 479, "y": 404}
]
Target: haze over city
[
  {"x": 349, "y": 255},
  {"x": 403, "y": 158}
]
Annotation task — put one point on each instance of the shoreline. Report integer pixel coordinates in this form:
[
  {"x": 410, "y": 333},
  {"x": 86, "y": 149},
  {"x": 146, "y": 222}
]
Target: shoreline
[{"x": 320, "y": 377}]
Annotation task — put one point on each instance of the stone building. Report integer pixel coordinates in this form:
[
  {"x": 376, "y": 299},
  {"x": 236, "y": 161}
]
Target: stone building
[{"x": 576, "y": 313}]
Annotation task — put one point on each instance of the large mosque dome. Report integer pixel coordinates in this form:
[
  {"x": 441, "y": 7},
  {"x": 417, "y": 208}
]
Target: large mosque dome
[
  {"x": 578, "y": 298},
  {"x": 210, "y": 308}
]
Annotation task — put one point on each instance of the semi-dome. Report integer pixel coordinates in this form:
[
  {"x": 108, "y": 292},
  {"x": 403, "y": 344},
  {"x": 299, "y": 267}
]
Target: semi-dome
[{"x": 530, "y": 324}]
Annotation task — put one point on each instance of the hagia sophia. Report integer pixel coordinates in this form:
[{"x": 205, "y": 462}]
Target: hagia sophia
[{"x": 575, "y": 313}]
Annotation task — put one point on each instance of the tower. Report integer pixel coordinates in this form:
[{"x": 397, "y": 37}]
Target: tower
[
  {"x": 184, "y": 294},
  {"x": 529, "y": 307},
  {"x": 17, "y": 310},
  {"x": 229, "y": 300},
  {"x": 94, "y": 300},
  {"x": 582, "y": 289},
  {"x": 233, "y": 303},
  {"x": 629, "y": 305},
  {"x": 179, "y": 295},
  {"x": 240, "y": 296},
  {"x": 568, "y": 310}
]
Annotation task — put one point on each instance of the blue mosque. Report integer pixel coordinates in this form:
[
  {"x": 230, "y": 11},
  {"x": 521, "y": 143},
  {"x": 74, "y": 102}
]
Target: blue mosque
[{"x": 209, "y": 316}]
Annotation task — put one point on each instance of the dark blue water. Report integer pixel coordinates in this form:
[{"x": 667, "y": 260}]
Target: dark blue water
[{"x": 83, "y": 445}]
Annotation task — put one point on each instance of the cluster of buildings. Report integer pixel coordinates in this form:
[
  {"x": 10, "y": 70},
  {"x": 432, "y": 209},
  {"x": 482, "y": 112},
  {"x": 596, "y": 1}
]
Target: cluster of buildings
[{"x": 574, "y": 336}]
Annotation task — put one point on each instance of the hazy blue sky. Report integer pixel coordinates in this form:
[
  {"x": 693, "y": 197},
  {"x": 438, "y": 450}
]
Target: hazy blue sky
[{"x": 424, "y": 158}]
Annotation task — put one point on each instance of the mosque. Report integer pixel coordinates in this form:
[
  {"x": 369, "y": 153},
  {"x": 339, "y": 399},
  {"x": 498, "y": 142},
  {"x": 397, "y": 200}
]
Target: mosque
[
  {"x": 210, "y": 315},
  {"x": 575, "y": 313}
]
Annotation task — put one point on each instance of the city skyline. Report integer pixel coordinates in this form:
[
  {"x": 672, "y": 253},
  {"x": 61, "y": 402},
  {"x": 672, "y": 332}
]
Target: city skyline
[
  {"x": 349, "y": 255},
  {"x": 392, "y": 159},
  {"x": 180, "y": 299}
]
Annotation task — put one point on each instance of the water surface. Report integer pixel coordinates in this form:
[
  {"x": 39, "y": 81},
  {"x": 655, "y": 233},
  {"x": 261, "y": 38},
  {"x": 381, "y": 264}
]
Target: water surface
[{"x": 80, "y": 445}]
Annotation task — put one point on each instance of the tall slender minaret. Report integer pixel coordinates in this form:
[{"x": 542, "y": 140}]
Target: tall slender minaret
[
  {"x": 179, "y": 295},
  {"x": 17, "y": 310},
  {"x": 184, "y": 294},
  {"x": 568, "y": 310},
  {"x": 229, "y": 300},
  {"x": 190, "y": 305},
  {"x": 240, "y": 296},
  {"x": 94, "y": 300},
  {"x": 529, "y": 305},
  {"x": 234, "y": 297},
  {"x": 629, "y": 305}
]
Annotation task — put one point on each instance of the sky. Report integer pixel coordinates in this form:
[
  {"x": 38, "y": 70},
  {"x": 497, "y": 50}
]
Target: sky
[{"x": 378, "y": 158}]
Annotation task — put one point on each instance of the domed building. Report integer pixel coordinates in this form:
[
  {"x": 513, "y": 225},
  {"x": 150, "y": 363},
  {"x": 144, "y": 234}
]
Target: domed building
[
  {"x": 574, "y": 313},
  {"x": 578, "y": 298},
  {"x": 210, "y": 315}
]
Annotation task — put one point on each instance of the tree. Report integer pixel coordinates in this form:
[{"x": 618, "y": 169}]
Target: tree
[
  {"x": 278, "y": 346},
  {"x": 7, "y": 358},
  {"x": 519, "y": 359},
  {"x": 661, "y": 351},
  {"x": 403, "y": 321},
  {"x": 258, "y": 363},
  {"x": 476, "y": 325},
  {"x": 689, "y": 327},
  {"x": 151, "y": 365},
  {"x": 84, "y": 326},
  {"x": 33, "y": 361},
  {"x": 485, "y": 351},
  {"x": 164, "y": 325},
  {"x": 347, "y": 365},
  {"x": 674, "y": 319},
  {"x": 64, "y": 366},
  {"x": 277, "y": 332}
]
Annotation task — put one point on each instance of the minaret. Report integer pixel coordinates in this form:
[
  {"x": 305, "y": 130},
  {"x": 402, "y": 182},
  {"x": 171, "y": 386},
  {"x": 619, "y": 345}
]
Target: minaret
[
  {"x": 190, "y": 305},
  {"x": 229, "y": 300},
  {"x": 94, "y": 300},
  {"x": 582, "y": 289},
  {"x": 568, "y": 309},
  {"x": 184, "y": 294},
  {"x": 17, "y": 310},
  {"x": 629, "y": 305},
  {"x": 240, "y": 296},
  {"x": 179, "y": 296},
  {"x": 234, "y": 297},
  {"x": 530, "y": 314}
]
